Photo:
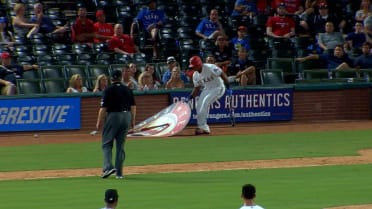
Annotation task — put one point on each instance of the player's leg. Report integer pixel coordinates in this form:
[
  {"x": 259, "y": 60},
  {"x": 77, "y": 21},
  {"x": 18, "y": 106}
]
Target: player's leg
[
  {"x": 120, "y": 142},
  {"x": 207, "y": 97}
]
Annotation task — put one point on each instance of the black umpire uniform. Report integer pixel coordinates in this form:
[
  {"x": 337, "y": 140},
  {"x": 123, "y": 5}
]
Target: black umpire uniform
[{"x": 118, "y": 110}]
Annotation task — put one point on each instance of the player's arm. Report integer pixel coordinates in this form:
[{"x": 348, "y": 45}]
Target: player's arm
[
  {"x": 195, "y": 91},
  {"x": 101, "y": 117},
  {"x": 225, "y": 80}
]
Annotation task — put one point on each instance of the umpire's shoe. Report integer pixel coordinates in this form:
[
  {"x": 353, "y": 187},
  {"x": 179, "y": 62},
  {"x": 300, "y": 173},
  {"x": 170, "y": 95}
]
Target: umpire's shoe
[{"x": 107, "y": 173}]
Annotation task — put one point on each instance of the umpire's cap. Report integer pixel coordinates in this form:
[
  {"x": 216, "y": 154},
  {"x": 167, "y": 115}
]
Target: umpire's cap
[
  {"x": 111, "y": 195},
  {"x": 116, "y": 75}
]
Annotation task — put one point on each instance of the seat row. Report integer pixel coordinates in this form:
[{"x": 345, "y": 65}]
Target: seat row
[
  {"x": 315, "y": 76},
  {"x": 55, "y": 78}
]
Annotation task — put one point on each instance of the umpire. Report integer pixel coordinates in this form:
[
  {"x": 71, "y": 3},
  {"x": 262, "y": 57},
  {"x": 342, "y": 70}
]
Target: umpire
[{"x": 118, "y": 113}]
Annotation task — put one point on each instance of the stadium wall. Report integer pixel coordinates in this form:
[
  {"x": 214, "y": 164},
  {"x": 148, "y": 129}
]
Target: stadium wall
[{"x": 310, "y": 103}]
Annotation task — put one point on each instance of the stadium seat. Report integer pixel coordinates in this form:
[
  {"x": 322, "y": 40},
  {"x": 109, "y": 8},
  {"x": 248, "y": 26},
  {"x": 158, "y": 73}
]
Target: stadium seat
[
  {"x": 315, "y": 74},
  {"x": 351, "y": 73},
  {"x": 54, "y": 85},
  {"x": 29, "y": 86},
  {"x": 96, "y": 70},
  {"x": 271, "y": 77},
  {"x": 31, "y": 74},
  {"x": 53, "y": 71}
]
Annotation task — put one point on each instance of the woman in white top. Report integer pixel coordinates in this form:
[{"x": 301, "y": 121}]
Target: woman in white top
[
  {"x": 76, "y": 85},
  {"x": 20, "y": 25},
  {"x": 101, "y": 83}
]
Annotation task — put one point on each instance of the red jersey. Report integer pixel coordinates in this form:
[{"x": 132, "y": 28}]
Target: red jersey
[
  {"x": 79, "y": 28},
  {"x": 280, "y": 25},
  {"x": 123, "y": 42},
  {"x": 104, "y": 29}
]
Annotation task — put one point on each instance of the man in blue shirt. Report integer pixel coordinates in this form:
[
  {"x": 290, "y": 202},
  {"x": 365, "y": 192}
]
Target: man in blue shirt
[
  {"x": 150, "y": 19},
  {"x": 244, "y": 8},
  {"x": 210, "y": 28},
  {"x": 45, "y": 22},
  {"x": 337, "y": 61},
  {"x": 364, "y": 61}
]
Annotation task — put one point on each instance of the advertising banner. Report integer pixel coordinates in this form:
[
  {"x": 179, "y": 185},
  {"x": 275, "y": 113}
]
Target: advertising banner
[
  {"x": 39, "y": 114},
  {"x": 249, "y": 105},
  {"x": 168, "y": 122}
]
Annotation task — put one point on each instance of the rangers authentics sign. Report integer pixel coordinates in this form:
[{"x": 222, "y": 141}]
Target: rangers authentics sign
[{"x": 249, "y": 105}]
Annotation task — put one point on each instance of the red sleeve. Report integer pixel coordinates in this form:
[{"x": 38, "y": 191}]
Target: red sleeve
[
  {"x": 114, "y": 43},
  {"x": 269, "y": 22}
]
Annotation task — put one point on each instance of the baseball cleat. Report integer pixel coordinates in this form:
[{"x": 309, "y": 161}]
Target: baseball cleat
[
  {"x": 120, "y": 177},
  {"x": 107, "y": 173},
  {"x": 199, "y": 131}
]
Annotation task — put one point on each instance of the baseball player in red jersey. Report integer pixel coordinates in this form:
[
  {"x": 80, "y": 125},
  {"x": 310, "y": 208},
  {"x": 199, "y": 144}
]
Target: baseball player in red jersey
[{"x": 211, "y": 81}]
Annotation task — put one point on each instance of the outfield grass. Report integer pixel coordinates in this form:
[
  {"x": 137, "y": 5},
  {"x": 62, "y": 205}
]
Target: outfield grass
[
  {"x": 281, "y": 188},
  {"x": 186, "y": 150},
  {"x": 290, "y": 188}
]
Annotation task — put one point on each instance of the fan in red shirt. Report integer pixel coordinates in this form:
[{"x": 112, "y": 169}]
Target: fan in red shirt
[
  {"x": 122, "y": 43},
  {"x": 104, "y": 31},
  {"x": 82, "y": 31},
  {"x": 280, "y": 26}
]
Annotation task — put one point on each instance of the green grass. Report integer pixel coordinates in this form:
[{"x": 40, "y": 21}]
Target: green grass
[
  {"x": 282, "y": 188},
  {"x": 185, "y": 150},
  {"x": 290, "y": 188}
]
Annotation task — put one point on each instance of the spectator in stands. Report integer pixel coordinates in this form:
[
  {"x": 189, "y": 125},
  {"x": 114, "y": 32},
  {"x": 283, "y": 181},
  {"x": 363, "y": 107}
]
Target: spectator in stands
[
  {"x": 82, "y": 30},
  {"x": 20, "y": 26},
  {"x": 243, "y": 8},
  {"x": 364, "y": 11},
  {"x": 242, "y": 70},
  {"x": 10, "y": 72},
  {"x": 122, "y": 43},
  {"x": 355, "y": 39},
  {"x": 76, "y": 85},
  {"x": 18, "y": 70},
  {"x": 6, "y": 36},
  {"x": 175, "y": 81},
  {"x": 210, "y": 59},
  {"x": 101, "y": 83},
  {"x": 146, "y": 81},
  {"x": 222, "y": 52},
  {"x": 280, "y": 26},
  {"x": 45, "y": 23},
  {"x": 330, "y": 39},
  {"x": 151, "y": 69},
  {"x": 7, "y": 76},
  {"x": 172, "y": 62},
  {"x": 134, "y": 71},
  {"x": 128, "y": 79},
  {"x": 241, "y": 40},
  {"x": 315, "y": 23},
  {"x": 210, "y": 28},
  {"x": 150, "y": 19},
  {"x": 104, "y": 31},
  {"x": 248, "y": 195},
  {"x": 337, "y": 60},
  {"x": 293, "y": 7},
  {"x": 364, "y": 61},
  {"x": 368, "y": 28}
]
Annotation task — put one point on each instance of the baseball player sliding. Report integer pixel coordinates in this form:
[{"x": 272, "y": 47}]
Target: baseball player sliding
[{"x": 210, "y": 80}]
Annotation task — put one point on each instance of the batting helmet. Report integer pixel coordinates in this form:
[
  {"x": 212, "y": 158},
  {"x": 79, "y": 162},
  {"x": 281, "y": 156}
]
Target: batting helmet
[{"x": 195, "y": 61}]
